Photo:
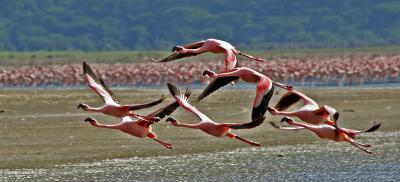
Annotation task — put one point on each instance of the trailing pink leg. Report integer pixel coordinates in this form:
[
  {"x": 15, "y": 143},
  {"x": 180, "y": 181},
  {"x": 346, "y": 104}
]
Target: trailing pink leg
[{"x": 165, "y": 144}]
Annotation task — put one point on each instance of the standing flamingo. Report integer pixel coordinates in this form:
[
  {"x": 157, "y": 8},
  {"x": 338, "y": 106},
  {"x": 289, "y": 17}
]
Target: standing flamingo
[
  {"x": 209, "y": 45},
  {"x": 142, "y": 128},
  {"x": 207, "y": 125},
  {"x": 265, "y": 89},
  {"x": 326, "y": 131},
  {"x": 111, "y": 106}
]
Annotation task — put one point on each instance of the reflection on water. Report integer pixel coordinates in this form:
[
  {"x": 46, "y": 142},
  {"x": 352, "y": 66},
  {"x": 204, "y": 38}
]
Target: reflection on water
[{"x": 326, "y": 161}]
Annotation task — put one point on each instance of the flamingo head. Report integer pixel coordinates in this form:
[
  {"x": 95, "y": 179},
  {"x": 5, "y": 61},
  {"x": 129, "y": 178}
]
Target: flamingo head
[
  {"x": 90, "y": 120},
  {"x": 176, "y": 48},
  {"x": 81, "y": 106}
]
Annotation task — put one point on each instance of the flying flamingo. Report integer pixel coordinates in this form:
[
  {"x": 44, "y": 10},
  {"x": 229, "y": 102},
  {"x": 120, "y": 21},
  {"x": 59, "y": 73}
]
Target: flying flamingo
[
  {"x": 310, "y": 112},
  {"x": 111, "y": 106},
  {"x": 326, "y": 131},
  {"x": 209, "y": 45},
  {"x": 141, "y": 128},
  {"x": 207, "y": 125},
  {"x": 265, "y": 89}
]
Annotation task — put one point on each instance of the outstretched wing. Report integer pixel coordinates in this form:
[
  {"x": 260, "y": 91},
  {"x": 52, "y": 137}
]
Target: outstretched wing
[
  {"x": 184, "y": 102},
  {"x": 214, "y": 85},
  {"x": 287, "y": 100},
  {"x": 168, "y": 109},
  {"x": 174, "y": 56},
  {"x": 374, "y": 127},
  {"x": 98, "y": 85}
]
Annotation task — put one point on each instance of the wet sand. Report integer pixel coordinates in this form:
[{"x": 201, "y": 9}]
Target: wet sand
[{"x": 43, "y": 137}]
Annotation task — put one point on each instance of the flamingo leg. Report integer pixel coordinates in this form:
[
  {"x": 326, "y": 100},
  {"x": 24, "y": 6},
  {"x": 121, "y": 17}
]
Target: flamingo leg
[
  {"x": 247, "y": 141},
  {"x": 165, "y": 144},
  {"x": 141, "y": 117},
  {"x": 362, "y": 144},
  {"x": 286, "y": 87},
  {"x": 251, "y": 57},
  {"x": 358, "y": 145}
]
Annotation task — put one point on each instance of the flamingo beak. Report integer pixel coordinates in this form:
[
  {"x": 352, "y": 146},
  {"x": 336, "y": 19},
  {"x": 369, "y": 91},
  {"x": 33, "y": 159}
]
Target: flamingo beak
[
  {"x": 80, "y": 106},
  {"x": 176, "y": 48},
  {"x": 286, "y": 119},
  {"x": 89, "y": 120},
  {"x": 169, "y": 119}
]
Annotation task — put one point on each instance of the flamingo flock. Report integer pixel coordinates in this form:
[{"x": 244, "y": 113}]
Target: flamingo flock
[
  {"x": 320, "y": 119},
  {"x": 352, "y": 70}
]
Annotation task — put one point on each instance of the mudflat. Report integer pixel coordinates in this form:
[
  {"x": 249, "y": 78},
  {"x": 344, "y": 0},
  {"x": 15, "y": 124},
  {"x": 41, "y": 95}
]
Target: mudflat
[{"x": 43, "y": 129}]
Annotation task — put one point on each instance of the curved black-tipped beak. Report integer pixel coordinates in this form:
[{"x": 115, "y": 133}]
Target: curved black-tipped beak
[
  {"x": 156, "y": 119},
  {"x": 286, "y": 119},
  {"x": 89, "y": 120},
  {"x": 206, "y": 72},
  {"x": 80, "y": 106},
  {"x": 170, "y": 119},
  {"x": 176, "y": 48}
]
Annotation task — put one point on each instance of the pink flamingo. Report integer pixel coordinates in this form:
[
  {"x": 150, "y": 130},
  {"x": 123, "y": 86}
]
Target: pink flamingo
[
  {"x": 207, "y": 125},
  {"x": 326, "y": 131},
  {"x": 209, "y": 45},
  {"x": 142, "y": 128},
  {"x": 265, "y": 89},
  {"x": 111, "y": 106},
  {"x": 310, "y": 112}
]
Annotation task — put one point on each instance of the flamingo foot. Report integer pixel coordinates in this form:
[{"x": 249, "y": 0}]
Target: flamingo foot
[
  {"x": 248, "y": 141},
  {"x": 165, "y": 144}
]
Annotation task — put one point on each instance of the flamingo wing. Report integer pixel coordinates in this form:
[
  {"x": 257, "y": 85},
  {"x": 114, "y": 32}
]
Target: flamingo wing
[
  {"x": 98, "y": 85},
  {"x": 184, "y": 102},
  {"x": 174, "y": 56},
  {"x": 287, "y": 100},
  {"x": 167, "y": 110},
  {"x": 215, "y": 84},
  {"x": 374, "y": 127}
]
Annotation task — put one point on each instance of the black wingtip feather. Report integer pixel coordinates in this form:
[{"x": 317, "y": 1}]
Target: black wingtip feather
[
  {"x": 287, "y": 100},
  {"x": 214, "y": 85},
  {"x": 86, "y": 67},
  {"x": 374, "y": 127},
  {"x": 172, "y": 88}
]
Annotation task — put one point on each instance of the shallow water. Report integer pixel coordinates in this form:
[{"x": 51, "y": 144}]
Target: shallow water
[
  {"x": 43, "y": 138},
  {"x": 319, "y": 161}
]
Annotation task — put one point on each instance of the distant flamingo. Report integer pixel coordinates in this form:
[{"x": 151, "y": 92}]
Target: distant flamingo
[
  {"x": 111, "y": 106},
  {"x": 206, "y": 124},
  {"x": 265, "y": 89},
  {"x": 209, "y": 45},
  {"x": 141, "y": 128},
  {"x": 329, "y": 132}
]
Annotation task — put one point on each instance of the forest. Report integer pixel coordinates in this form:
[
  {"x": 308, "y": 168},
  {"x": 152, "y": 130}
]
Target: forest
[{"x": 109, "y": 25}]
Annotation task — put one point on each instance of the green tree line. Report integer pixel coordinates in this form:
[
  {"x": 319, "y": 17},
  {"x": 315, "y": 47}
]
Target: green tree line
[{"x": 92, "y": 25}]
